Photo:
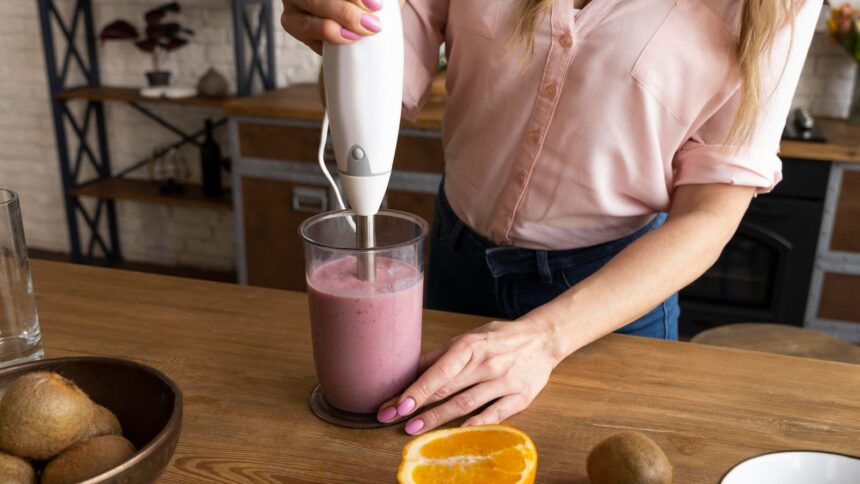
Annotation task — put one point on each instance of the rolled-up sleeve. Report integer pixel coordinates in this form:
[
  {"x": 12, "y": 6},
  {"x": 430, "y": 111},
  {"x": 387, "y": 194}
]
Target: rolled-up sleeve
[
  {"x": 423, "y": 30},
  {"x": 705, "y": 158}
]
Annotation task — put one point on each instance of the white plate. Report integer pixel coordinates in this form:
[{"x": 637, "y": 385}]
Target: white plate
[
  {"x": 796, "y": 467},
  {"x": 153, "y": 92},
  {"x": 179, "y": 92},
  {"x": 170, "y": 92}
]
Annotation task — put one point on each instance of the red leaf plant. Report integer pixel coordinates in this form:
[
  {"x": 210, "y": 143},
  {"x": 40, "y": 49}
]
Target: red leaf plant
[{"x": 158, "y": 36}]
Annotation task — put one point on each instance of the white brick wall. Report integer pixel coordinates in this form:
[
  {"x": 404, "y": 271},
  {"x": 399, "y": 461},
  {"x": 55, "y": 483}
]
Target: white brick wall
[
  {"x": 189, "y": 236},
  {"x": 827, "y": 83}
]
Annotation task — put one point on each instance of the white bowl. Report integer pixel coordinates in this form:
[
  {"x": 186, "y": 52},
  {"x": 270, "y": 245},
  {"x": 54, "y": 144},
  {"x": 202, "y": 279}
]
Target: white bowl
[{"x": 796, "y": 467}]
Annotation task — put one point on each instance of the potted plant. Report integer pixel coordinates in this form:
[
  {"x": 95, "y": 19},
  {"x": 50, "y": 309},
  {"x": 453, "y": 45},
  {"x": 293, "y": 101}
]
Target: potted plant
[
  {"x": 159, "y": 38},
  {"x": 844, "y": 30}
]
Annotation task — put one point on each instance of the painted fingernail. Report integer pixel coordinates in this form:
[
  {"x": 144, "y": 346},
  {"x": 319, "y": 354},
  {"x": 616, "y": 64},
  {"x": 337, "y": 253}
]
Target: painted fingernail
[
  {"x": 406, "y": 406},
  {"x": 370, "y": 23},
  {"x": 414, "y": 426},
  {"x": 373, "y": 4},
  {"x": 387, "y": 414},
  {"x": 348, "y": 34}
]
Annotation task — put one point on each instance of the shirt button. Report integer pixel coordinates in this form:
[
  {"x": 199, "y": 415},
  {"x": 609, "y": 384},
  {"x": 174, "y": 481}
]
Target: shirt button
[
  {"x": 550, "y": 90},
  {"x": 521, "y": 178},
  {"x": 534, "y": 136},
  {"x": 566, "y": 40}
]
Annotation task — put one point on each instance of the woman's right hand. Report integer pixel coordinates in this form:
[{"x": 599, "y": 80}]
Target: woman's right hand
[{"x": 334, "y": 21}]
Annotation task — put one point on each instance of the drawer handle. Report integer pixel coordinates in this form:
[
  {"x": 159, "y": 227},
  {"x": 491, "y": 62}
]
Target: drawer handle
[{"x": 310, "y": 200}]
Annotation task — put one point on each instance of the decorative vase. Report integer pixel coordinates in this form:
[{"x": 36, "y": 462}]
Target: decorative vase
[
  {"x": 158, "y": 78},
  {"x": 854, "y": 114},
  {"x": 212, "y": 84}
]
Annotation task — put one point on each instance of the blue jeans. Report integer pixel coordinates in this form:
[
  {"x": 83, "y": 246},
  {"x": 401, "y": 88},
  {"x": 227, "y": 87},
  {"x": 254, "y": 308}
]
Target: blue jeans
[{"x": 469, "y": 274}]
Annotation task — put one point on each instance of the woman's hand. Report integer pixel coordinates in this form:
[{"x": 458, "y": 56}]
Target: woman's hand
[
  {"x": 335, "y": 21},
  {"x": 504, "y": 363}
]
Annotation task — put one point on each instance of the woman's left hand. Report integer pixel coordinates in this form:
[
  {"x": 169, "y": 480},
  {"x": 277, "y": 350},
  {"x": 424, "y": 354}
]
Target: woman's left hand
[{"x": 505, "y": 362}]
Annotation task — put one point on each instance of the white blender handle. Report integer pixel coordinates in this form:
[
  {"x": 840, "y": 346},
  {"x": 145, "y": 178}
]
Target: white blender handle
[{"x": 364, "y": 92}]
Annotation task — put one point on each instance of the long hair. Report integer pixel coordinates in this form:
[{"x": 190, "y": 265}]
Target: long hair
[{"x": 760, "y": 22}]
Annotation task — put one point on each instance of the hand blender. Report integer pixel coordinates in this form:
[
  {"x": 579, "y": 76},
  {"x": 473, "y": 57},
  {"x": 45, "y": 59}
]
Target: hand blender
[
  {"x": 366, "y": 337},
  {"x": 364, "y": 91}
]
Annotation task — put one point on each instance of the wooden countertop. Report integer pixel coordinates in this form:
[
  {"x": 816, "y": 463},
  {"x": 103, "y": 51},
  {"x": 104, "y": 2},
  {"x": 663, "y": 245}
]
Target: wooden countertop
[
  {"x": 242, "y": 357},
  {"x": 843, "y": 143},
  {"x": 302, "y": 102}
]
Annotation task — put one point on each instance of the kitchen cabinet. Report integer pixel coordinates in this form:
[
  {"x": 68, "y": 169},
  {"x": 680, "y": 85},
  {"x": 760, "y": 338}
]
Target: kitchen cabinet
[{"x": 834, "y": 298}]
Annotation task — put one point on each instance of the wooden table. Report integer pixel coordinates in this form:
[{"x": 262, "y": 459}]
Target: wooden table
[{"x": 242, "y": 357}]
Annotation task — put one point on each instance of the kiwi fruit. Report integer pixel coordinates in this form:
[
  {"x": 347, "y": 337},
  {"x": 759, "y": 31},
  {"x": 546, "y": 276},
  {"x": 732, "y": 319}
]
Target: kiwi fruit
[
  {"x": 87, "y": 459},
  {"x": 628, "y": 458},
  {"x": 41, "y": 414},
  {"x": 103, "y": 422},
  {"x": 15, "y": 470}
]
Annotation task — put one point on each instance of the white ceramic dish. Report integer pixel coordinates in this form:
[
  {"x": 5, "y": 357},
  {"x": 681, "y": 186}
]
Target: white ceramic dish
[
  {"x": 179, "y": 92},
  {"x": 170, "y": 92},
  {"x": 153, "y": 92},
  {"x": 796, "y": 467}
]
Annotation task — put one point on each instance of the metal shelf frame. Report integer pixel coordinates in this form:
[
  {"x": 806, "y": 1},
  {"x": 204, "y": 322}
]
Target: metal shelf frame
[{"x": 69, "y": 40}]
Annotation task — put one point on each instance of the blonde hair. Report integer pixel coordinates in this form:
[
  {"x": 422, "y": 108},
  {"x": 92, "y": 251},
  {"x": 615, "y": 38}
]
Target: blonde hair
[{"x": 760, "y": 22}]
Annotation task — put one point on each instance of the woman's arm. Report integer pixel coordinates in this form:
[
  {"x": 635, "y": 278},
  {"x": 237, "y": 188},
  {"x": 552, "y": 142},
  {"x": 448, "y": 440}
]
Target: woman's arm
[
  {"x": 701, "y": 221},
  {"x": 510, "y": 363}
]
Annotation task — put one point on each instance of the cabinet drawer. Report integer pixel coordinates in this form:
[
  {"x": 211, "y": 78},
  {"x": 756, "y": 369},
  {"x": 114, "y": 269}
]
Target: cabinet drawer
[
  {"x": 846, "y": 222},
  {"x": 419, "y": 153},
  {"x": 278, "y": 142},
  {"x": 273, "y": 211},
  {"x": 839, "y": 297}
]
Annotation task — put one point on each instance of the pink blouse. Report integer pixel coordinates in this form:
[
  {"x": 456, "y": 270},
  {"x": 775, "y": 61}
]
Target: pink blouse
[{"x": 586, "y": 140}]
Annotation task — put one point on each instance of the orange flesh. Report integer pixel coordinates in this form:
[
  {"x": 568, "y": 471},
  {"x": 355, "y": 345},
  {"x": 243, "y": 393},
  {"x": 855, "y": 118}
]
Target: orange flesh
[{"x": 497, "y": 456}]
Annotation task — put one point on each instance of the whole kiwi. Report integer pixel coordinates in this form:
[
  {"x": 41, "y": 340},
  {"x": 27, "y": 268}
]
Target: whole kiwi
[
  {"x": 103, "y": 422},
  {"x": 87, "y": 459},
  {"x": 15, "y": 470},
  {"x": 628, "y": 458},
  {"x": 41, "y": 414}
]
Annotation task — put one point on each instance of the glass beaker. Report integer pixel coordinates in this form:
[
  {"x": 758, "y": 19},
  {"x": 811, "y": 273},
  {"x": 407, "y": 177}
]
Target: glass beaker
[
  {"x": 20, "y": 339},
  {"x": 366, "y": 334}
]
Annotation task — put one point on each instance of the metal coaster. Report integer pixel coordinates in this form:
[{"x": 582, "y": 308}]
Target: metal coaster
[{"x": 328, "y": 413}]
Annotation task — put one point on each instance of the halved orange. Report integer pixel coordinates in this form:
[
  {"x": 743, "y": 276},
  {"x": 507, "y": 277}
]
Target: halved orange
[{"x": 486, "y": 453}]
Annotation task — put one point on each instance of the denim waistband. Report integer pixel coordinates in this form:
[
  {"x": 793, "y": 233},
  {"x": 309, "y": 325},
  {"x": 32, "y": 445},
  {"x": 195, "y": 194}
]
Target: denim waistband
[{"x": 505, "y": 260}]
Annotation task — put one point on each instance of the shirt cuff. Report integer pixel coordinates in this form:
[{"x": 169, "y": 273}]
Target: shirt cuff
[
  {"x": 704, "y": 164},
  {"x": 416, "y": 83}
]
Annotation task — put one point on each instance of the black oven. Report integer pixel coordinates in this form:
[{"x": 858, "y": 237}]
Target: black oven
[{"x": 763, "y": 275}]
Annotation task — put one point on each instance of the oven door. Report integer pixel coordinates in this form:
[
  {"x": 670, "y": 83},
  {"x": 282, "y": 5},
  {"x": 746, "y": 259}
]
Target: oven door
[{"x": 763, "y": 273}]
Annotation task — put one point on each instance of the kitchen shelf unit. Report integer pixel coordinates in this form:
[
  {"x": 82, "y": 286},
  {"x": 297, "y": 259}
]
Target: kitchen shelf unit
[{"x": 69, "y": 39}]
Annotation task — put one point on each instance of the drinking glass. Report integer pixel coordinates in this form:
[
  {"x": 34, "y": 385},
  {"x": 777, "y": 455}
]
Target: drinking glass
[
  {"x": 366, "y": 333},
  {"x": 20, "y": 339}
]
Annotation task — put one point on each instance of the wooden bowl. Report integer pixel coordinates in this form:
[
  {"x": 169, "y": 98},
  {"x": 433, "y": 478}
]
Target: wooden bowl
[{"x": 146, "y": 402}]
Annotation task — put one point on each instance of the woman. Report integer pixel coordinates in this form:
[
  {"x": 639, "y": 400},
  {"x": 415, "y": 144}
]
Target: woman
[{"x": 571, "y": 126}]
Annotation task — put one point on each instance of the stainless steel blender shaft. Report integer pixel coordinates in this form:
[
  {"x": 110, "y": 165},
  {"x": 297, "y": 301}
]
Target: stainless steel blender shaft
[{"x": 366, "y": 235}]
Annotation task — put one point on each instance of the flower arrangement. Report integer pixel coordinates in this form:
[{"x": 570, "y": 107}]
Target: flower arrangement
[{"x": 844, "y": 28}]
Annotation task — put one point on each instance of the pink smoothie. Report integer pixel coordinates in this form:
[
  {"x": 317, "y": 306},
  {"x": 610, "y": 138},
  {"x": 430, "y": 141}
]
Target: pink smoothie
[{"x": 366, "y": 336}]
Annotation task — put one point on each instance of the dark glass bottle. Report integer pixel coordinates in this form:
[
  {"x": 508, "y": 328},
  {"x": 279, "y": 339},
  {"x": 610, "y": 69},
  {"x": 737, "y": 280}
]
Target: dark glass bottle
[{"x": 210, "y": 164}]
